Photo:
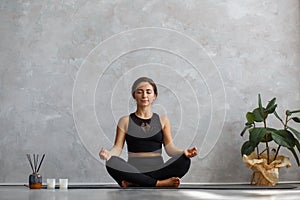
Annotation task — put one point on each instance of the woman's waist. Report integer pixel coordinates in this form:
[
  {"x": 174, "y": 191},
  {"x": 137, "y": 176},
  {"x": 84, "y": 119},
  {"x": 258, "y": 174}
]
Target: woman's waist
[
  {"x": 143, "y": 154},
  {"x": 146, "y": 162}
]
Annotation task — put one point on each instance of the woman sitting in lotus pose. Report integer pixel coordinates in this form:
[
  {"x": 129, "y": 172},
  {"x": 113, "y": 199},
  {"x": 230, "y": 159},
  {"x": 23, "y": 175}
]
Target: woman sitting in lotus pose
[{"x": 145, "y": 132}]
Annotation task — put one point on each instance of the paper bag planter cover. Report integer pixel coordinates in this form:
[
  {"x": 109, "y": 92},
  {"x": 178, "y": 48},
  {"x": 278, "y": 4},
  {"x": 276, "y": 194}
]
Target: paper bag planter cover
[{"x": 265, "y": 174}]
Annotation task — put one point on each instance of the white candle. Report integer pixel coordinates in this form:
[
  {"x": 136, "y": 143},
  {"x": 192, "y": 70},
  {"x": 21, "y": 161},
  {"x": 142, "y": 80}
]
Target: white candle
[
  {"x": 63, "y": 183},
  {"x": 50, "y": 183}
]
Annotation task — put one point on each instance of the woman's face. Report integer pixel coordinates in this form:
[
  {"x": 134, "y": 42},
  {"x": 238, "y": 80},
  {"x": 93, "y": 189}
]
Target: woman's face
[{"x": 144, "y": 94}]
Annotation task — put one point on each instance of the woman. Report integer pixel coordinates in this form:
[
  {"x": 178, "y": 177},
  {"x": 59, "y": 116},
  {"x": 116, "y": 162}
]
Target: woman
[{"x": 145, "y": 132}]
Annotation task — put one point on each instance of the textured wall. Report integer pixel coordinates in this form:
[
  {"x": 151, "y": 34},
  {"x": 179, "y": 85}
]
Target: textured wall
[{"x": 67, "y": 67}]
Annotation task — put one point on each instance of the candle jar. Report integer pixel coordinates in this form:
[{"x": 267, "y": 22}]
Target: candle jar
[
  {"x": 63, "y": 183},
  {"x": 35, "y": 181},
  {"x": 50, "y": 183}
]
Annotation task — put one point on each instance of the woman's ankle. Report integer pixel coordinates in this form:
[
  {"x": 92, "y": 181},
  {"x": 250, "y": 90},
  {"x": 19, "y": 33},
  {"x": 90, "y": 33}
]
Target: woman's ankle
[
  {"x": 170, "y": 182},
  {"x": 126, "y": 184}
]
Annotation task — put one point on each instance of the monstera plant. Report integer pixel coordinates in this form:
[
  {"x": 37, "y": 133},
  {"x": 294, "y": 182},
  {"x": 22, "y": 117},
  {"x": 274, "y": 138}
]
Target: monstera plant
[{"x": 258, "y": 151}]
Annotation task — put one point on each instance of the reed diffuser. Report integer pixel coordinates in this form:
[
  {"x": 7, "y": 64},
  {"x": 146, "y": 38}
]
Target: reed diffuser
[{"x": 35, "y": 179}]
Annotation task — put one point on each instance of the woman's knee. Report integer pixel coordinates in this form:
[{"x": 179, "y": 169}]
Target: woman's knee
[
  {"x": 114, "y": 161},
  {"x": 181, "y": 165},
  {"x": 185, "y": 161}
]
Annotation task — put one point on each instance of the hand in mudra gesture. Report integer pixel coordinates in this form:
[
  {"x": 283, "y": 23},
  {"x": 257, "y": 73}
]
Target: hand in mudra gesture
[
  {"x": 104, "y": 154},
  {"x": 191, "y": 152}
]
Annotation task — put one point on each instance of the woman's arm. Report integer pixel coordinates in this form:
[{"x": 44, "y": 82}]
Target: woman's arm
[
  {"x": 116, "y": 150},
  {"x": 170, "y": 148}
]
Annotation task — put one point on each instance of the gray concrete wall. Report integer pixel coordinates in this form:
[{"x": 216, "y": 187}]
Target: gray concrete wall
[{"x": 67, "y": 67}]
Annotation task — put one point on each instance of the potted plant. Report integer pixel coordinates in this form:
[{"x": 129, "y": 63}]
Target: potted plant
[{"x": 257, "y": 151}]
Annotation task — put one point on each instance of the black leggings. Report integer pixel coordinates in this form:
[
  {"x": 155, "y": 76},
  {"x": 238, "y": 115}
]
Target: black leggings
[{"x": 146, "y": 171}]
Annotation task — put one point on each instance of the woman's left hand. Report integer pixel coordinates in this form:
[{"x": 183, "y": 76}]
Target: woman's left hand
[{"x": 191, "y": 152}]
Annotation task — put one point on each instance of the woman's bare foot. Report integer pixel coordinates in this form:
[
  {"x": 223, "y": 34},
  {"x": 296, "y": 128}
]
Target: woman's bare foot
[
  {"x": 170, "y": 182},
  {"x": 126, "y": 184}
]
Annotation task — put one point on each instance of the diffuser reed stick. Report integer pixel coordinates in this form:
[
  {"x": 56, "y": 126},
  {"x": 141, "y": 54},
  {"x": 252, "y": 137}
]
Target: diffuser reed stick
[
  {"x": 38, "y": 169},
  {"x": 29, "y": 159},
  {"x": 36, "y": 165}
]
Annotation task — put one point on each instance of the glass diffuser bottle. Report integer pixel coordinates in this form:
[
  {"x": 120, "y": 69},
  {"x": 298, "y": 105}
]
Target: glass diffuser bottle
[{"x": 35, "y": 179}]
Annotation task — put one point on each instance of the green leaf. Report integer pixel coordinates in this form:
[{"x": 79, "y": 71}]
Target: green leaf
[
  {"x": 284, "y": 138},
  {"x": 247, "y": 148},
  {"x": 256, "y": 135},
  {"x": 259, "y": 102},
  {"x": 271, "y": 106},
  {"x": 296, "y": 119},
  {"x": 288, "y": 113},
  {"x": 268, "y": 137},
  {"x": 243, "y": 131},
  {"x": 298, "y": 145},
  {"x": 295, "y": 155},
  {"x": 262, "y": 110},
  {"x": 277, "y": 116},
  {"x": 258, "y": 117},
  {"x": 294, "y": 111},
  {"x": 296, "y": 133},
  {"x": 271, "y": 109},
  {"x": 250, "y": 117},
  {"x": 247, "y": 126}
]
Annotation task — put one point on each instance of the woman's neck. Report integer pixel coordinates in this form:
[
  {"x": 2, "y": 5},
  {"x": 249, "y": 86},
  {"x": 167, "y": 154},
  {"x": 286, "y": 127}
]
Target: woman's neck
[{"x": 143, "y": 113}]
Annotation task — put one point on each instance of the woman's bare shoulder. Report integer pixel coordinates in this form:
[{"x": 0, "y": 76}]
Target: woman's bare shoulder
[
  {"x": 123, "y": 123},
  {"x": 124, "y": 119},
  {"x": 164, "y": 119}
]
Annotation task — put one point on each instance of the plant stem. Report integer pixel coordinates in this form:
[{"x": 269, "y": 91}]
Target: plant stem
[
  {"x": 267, "y": 145},
  {"x": 262, "y": 152},
  {"x": 285, "y": 128},
  {"x": 257, "y": 151},
  {"x": 277, "y": 152},
  {"x": 268, "y": 152},
  {"x": 286, "y": 121}
]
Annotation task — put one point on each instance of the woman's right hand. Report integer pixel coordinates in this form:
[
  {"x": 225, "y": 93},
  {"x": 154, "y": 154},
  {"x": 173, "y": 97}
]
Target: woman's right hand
[{"x": 104, "y": 154}]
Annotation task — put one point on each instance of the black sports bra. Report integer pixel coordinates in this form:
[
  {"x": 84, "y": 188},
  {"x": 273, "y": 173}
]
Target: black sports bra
[{"x": 144, "y": 135}]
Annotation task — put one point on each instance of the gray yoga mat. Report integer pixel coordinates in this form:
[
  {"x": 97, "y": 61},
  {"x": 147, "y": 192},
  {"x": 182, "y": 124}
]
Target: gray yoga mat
[{"x": 190, "y": 186}]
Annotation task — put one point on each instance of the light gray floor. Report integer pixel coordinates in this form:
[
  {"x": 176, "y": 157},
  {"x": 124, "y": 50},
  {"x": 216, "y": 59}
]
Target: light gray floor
[{"x": 21, "y": 192}]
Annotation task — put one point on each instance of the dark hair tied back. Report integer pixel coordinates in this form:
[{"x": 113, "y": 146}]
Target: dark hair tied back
[{"x": 143, "y": 79}]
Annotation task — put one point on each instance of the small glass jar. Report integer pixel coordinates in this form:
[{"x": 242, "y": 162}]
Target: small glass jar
[{"x": 35, "y": 181}]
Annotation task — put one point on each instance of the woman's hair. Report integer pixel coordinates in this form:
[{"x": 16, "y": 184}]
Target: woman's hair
[{"x": 143, "y": 79}]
